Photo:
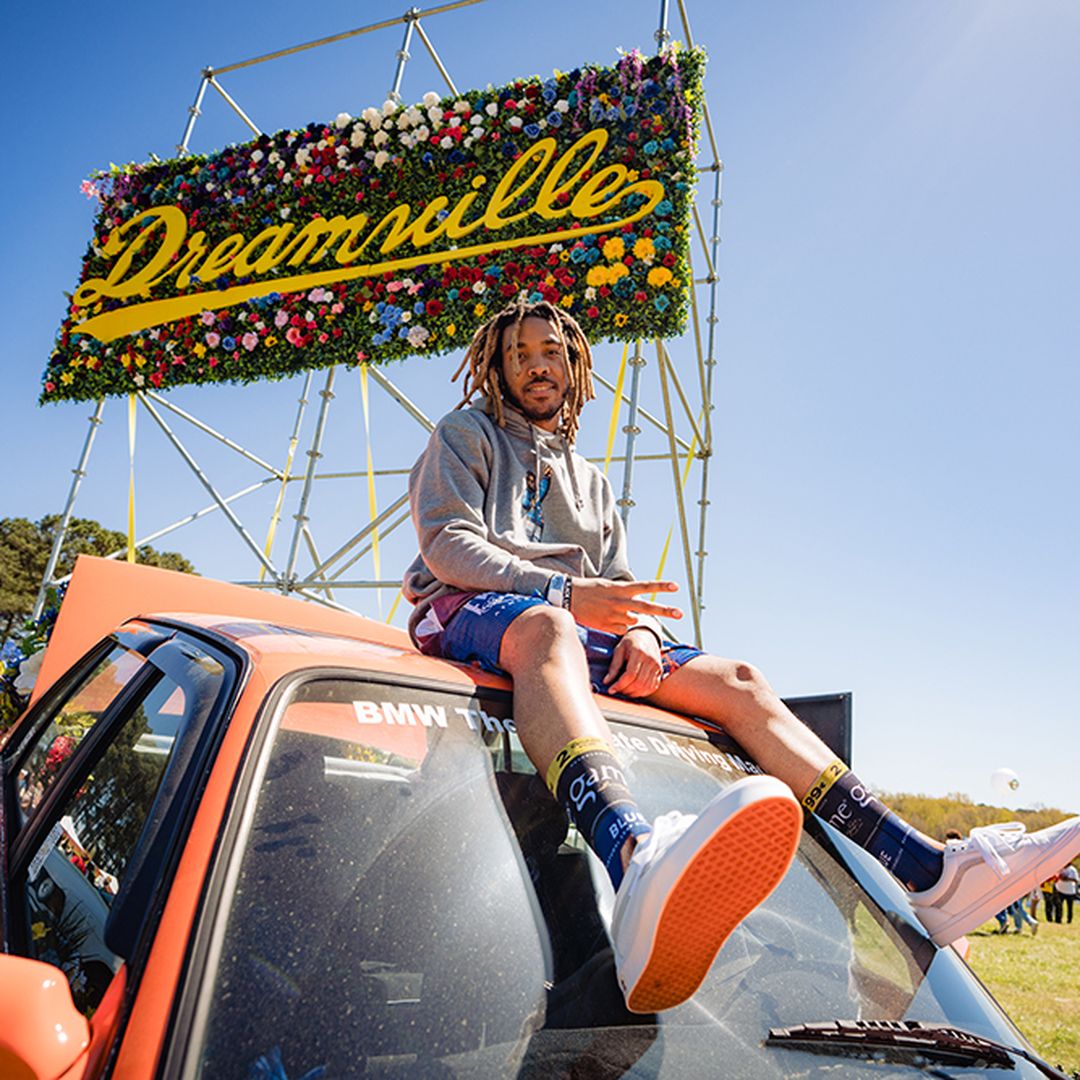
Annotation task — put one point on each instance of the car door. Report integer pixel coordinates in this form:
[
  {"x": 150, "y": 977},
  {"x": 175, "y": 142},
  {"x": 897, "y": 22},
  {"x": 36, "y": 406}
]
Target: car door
[{"x": 98, "y": 784}]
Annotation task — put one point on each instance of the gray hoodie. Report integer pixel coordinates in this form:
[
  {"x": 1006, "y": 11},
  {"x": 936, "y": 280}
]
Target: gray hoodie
[{"x": 502, "y": 509}]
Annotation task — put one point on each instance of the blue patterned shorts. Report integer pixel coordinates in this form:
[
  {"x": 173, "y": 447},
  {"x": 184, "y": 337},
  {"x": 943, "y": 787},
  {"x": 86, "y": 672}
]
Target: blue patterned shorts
[{"x": 473, "y": 629}]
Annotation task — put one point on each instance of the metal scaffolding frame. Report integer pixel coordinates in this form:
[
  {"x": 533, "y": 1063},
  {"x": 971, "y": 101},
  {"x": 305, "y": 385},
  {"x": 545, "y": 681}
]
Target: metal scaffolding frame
[{"x": 686, "y": 427}]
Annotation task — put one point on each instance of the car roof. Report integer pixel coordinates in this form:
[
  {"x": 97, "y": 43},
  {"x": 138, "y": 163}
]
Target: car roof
[
  {"x": 279, "y": 631},
  {"x": 104, "y": 594}
]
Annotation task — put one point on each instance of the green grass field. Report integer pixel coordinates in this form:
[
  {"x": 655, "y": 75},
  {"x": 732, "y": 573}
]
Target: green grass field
[{"x": 1036, "y": 979}]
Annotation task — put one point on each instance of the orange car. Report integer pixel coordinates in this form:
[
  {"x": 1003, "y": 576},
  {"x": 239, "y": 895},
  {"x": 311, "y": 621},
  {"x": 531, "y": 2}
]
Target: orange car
[{"x": 269, "y": 840}]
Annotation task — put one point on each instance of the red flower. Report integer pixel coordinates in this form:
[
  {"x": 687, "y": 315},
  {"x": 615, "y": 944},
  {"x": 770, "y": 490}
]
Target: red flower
[
  {"x": 669, "y": 259},
  {"x": 592, "y": 312},
  {"x": 433, "y": 307}
]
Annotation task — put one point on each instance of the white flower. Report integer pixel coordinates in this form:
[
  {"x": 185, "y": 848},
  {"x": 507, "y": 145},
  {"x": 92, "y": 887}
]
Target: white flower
[
  {"x": 555, "y": 248},
  {"x": 477, "y": 119},
  {"x": 381, "y": 158},
  {"x": 446, "y": 142},
  {"x": 562, "y": 105},
  {"x": 256, "y": 156},
  {"x": 423, "y": 133},
  {"x": 406, "y": 140},
  {"x": 286, "y": 178},
  {"x": 170, "y": 345},
  {"x": 274, "y": 157},
  {"x": 461, "y": 105},
  {"x": 285, "y": 211},
  {"x": 491, "y": 108},
  {"x": 455, "y": 121},
  {"x": 308, "y": 180},
  {"x": 413, "y": 115},
  {"x": 431, "y": 98},
  {"x": 140, "y": 380},
  {"x": 590, "y": 293},
  {"x": 435, "y": 115},
  {"x": 372, "y": 117},
  {"x": 478, "y": 287},
  {"x": 209, "y": 186},
  {"x": 406, "y": 316},
  {"x": 516, "y": 122},
  {"x": 342, "y": 120},
  {"x": 389, "y": 107},
  {"x": 357, "y": 138},
  {"x": 418, "y": 335},
  {"x": 380, "y": 138}
]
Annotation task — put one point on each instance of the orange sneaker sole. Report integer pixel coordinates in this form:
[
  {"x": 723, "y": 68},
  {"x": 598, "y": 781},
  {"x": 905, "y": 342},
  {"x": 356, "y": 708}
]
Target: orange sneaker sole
[{"x": 745, "y": 859}]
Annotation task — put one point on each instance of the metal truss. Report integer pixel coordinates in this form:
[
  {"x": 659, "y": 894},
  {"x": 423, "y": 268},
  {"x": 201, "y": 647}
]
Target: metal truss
[{"x": 682, "y": 417}]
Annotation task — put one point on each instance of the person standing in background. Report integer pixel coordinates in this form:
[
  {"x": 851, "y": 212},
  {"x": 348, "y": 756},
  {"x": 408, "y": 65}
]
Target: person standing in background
[
  {"x": 1049, "y": 898},
  {"x": 1065, "y": 889}
]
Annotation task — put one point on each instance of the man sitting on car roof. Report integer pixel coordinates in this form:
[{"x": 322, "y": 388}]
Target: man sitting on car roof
[{"x": 523, "y": 570}]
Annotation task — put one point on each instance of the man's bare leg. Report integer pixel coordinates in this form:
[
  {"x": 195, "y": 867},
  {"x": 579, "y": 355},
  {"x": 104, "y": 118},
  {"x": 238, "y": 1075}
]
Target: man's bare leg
[
  {"x": 736, "y": 695},
  {"x": 553, "y": 700},
  {"x": 664, "y": 942}
]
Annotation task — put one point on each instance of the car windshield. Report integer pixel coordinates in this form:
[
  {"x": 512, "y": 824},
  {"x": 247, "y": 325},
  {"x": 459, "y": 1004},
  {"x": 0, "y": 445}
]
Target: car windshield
[{"x": 405, "y": 898}]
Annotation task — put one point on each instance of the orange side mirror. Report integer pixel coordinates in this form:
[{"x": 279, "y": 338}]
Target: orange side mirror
[{"x": 42, "y": 1035}]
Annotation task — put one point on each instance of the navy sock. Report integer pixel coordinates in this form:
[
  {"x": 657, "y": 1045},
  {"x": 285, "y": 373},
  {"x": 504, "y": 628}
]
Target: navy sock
[
  {"x": 841, "y": 799},
  {"x": 588, "y": 781}
]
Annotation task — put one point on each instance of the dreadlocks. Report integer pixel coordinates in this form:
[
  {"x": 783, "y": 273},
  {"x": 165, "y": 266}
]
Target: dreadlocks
[{"x": 483, "y": 359}]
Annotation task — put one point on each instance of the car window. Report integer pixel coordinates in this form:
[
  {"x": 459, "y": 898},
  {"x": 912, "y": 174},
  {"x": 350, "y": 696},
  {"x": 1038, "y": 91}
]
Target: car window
[
  {"x": 406, "y": 898},
  {"x": 69, "y": 725},
  {"x": 76, "y": 873}
]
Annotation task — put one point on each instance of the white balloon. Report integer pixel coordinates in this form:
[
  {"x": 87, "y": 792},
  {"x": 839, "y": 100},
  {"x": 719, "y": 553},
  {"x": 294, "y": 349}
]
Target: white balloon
[{"x": 1004, "y": 781}]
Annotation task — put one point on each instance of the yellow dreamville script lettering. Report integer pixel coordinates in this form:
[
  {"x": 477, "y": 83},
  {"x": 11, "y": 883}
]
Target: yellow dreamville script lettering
[{"x": 191, "y": 259}]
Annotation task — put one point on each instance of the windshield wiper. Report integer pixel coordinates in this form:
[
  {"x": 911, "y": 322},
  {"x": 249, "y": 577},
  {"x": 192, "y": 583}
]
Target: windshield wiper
[{"x": 908, "y": 1041}]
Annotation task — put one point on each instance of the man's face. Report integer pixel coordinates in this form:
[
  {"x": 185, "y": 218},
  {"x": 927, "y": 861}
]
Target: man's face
[{"x": 535, "y": 376}]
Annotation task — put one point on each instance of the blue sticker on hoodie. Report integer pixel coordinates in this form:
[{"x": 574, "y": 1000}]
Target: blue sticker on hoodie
[{"x": 532, "y": 500}]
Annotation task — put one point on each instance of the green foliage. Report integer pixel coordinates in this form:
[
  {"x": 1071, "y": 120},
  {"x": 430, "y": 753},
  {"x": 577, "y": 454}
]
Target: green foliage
[
  {"x": 935, "y": 816},
  {"x": 24, "y": 553},
  {"x": 25, "y": 547}
]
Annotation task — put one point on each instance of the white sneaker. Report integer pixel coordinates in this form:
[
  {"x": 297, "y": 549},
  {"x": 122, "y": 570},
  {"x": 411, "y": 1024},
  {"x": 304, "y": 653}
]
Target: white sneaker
[
  {"x": 691, "y": 881},
  {"x": 984, "y": 874}
]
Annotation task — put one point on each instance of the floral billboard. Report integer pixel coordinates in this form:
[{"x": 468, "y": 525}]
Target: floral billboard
[{"x": 374, "y": 238}]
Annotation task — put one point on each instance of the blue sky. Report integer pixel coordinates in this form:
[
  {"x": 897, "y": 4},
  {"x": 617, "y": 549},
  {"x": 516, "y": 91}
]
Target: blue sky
[{"x": 894, "y": 496}]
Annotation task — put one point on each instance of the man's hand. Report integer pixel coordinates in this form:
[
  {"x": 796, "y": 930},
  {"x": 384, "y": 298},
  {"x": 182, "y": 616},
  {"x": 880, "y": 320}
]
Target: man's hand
[
  {"x": 635, "y": 665},
  {"x": 613, "y": 605}
]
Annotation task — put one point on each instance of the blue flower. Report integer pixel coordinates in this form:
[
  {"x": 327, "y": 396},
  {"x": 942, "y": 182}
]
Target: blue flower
[
  {"x": 668, "y": 144},
  {"x": 452, "y": 294},
  {"x": 663, "y": 208},
  {"x": 535, "y": 297},
  {"x": 228, "y": 344},
  {"x": 554, "y": 118},
  {"x": 456, "y": 157},
  {"x": 418, "y": 307},
  {"x": 577, "y": 254},
  {"x": 403, "y": 331},
  {"x": 661, "y": 243},
  {"x": 532, "y": 130},
  {"x": 650, "y": 147},
  {"x": 572, "y": 98},
  {"x": 548, "y": 94},
  {"x": 661, "y": 302}
]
